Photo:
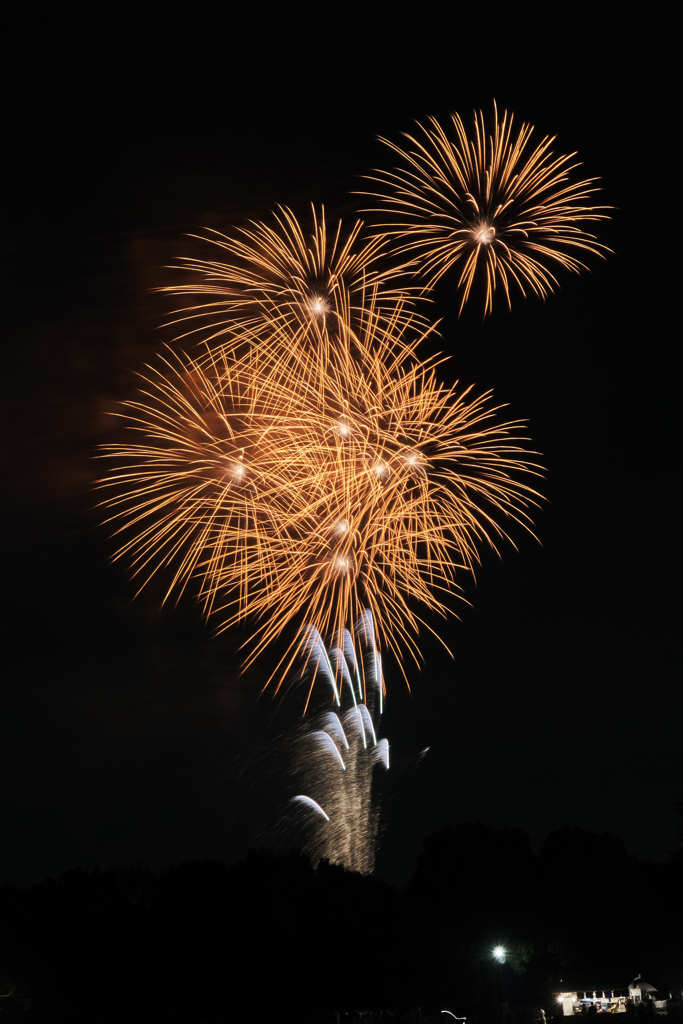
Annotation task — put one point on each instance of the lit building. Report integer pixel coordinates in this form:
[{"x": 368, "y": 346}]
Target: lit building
[
  {"x": 640, "y": 991},
  {"x": 574, "y": 1001},
  {"x": 577, "y": 999}
]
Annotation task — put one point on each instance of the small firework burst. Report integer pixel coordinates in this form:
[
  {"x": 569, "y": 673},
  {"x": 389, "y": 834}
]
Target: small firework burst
[{"x": 497, "y": 206}]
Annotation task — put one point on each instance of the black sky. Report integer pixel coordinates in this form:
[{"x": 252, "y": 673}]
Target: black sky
[{"x": 127, "y": 733}]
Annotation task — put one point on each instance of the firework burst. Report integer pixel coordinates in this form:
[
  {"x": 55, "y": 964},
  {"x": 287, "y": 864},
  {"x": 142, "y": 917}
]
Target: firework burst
[
  {"x": 279, "y": 282},
  {"x": 495, "y": 204},
  {"x": 355, "y": 480}
]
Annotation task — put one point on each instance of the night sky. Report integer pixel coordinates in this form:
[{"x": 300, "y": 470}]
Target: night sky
[{"x": 127, "y": 732}]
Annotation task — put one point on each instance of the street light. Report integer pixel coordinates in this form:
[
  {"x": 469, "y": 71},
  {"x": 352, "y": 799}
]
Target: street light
[{"x": 499, "y": 954}]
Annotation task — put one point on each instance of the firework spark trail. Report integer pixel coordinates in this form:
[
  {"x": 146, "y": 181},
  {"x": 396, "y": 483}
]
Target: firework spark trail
[
  {"x": 341, "y": 668},
  {"x": 311, "y": 804},
  {"x": 502, "y": 208},
  {"x": 357, "y": 481},
  {"x": 330, "y": 722},
  {"x": 344, "y": 788},
  {"x": 368, "y": 724},
  {"x": 325, "y": 744},
  {"x": 382, "y": 752},
  {"x": 318, "y": 659}
]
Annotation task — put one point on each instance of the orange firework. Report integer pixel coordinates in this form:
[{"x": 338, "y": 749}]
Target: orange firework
[
  {"x": 497, "y": 205},
  {"x": 358, "y": 480},
  {"x": 279, "y": 282}
]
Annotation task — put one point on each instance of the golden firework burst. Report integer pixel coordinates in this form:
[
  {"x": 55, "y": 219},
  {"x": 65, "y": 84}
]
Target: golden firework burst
[
  {"x": 356, "y": 480},
  {"x": 500, "y": 207},
  {"x": 280, "y": 282}
]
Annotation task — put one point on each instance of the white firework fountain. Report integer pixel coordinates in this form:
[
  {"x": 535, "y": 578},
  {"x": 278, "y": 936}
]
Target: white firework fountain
[{"x": 336, "y": 755}]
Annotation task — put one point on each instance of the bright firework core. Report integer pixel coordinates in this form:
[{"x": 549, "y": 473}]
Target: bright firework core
[
  {"x": 414, "y": 460},
  {"x": 318, "y": 306},
  {"x": 484, "y": 233}
]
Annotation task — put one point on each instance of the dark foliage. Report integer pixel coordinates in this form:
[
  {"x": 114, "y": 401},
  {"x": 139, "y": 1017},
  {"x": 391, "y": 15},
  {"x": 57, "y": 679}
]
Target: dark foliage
[{"x": 272, "y": 939}]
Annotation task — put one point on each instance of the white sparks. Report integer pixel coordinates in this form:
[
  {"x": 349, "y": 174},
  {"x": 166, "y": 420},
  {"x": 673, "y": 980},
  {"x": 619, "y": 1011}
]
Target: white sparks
[{"x": 308, "y": 802}]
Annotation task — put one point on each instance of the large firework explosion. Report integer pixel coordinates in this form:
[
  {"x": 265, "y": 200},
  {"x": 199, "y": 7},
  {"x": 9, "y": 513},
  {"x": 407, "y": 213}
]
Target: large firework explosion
[
  {"x": 503, "y": 209},
  {"x": 356, "y": 479},
  {"x": 335, "y": 757}
]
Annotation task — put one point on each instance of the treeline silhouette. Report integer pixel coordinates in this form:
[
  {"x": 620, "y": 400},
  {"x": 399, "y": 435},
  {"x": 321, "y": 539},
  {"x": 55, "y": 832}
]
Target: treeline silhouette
[{"x": 272, "y": 939}]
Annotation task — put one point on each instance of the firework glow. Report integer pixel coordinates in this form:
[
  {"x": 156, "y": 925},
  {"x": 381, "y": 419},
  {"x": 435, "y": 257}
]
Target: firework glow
[
  {"x": 335, "y": 758},
  {"x": 356, "y": 479},
  {"x": 500, "y": 207}
]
